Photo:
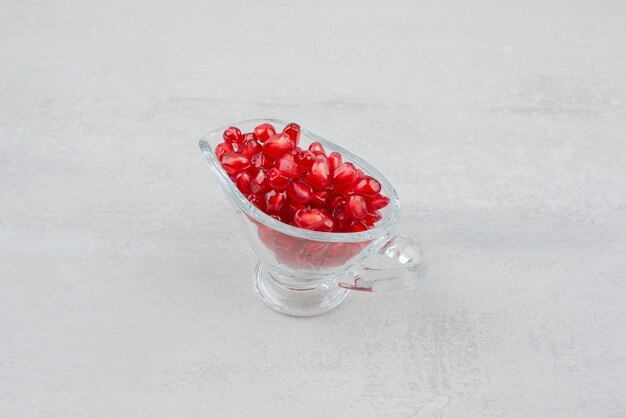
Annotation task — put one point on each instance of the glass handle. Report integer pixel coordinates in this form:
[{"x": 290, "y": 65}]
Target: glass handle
[{"x": 398, "y": 265}]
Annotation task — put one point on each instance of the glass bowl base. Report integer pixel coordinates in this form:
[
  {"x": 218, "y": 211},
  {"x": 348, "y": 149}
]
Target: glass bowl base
[{"x": 302, "y": 301}]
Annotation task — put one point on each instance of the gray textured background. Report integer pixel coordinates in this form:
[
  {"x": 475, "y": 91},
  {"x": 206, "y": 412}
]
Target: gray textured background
[{"x": 124, "y": 290}]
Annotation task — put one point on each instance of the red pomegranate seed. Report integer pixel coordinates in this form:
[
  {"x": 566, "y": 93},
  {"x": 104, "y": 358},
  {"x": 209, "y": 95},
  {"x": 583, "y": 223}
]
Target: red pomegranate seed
[
  {"x": 335, "y": 201},
  {"x": 257, "y": 201},
  {"x": 288, "y": 166},
  {"x": 293, "y": 130},
  {"x": 356, "y": 227},
  {"x": 288, "y": 156},
  {"x": 277, "y": 145},
  {"x": 334, "y": 161},
  {"x": 319, "y": 176},
  {"x": 231, "y": 135},
  {"x": 371, "y": 218},
  {"x": 260, "y": 182},
  {"x": 377, "y": 203},
  {"x": 327, "y": 225},
  {"x": 250, "y": 148},
  {"x": 293, "y": 206},
  {"x": 346, "y": 192},
  {"x": 299, "y": 192},
  {"x": 356, "y": 208},
  {"x": 244, "y": 137},
  {"x": 257, "y": 161},
  {"x": 222, "y": 149},
  {"x": 319, "y": 198},
  {"x": 341, "y": 218},
  {"x": 342, "y": 226},
  {"x": 317, "y": 148},
  {"x": 305, "y": 159},
  {"x": 276, "y": 201},
  {"x": 234, "y": 163},
  {"x": 263, "y": 132},
  {"x": 339, "y": 214},
  {"x": 287, "y": 216},
  {"x": 276, "y": 179},
  {"x": 367, "y": 187},
  {"x": 309, "y": 218},
  {"x": 243, "y": 183},
  {"x": 345, "y": 176}
]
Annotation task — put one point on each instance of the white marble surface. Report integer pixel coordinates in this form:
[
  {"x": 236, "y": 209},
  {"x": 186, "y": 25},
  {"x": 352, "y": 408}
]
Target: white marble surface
[{"x": 124, "y": 290}]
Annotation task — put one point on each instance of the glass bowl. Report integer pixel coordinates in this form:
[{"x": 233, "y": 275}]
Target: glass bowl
[{"x": 305, "y": 273}]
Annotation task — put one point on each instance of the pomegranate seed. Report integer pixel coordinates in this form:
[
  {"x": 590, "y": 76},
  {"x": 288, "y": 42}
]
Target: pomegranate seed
[
  {"x": 345, "y": 176},
  {"x": 334, "y": 161},
  {"x": 288, "y": 167},
  {"x": 377, "y": 203},
  {"x": 346, "y": 192},
  {"x": 356, "y": 227},
  {"x": 244, "y": 137},
  {"x": 276, "y": 201},
  {"x": 243, "y": 183},
  {"x": 263, "y": 132},
  {"x": 276, "y": 179},
  {"x": 277, "y": 145},
  {"x": 234, "y": 163},
  {"x": 260, "y": 182},
  {"x": 319, "y": 176},
  {"x": 290, "y": 156},
  {"x": 299, "y": 192},
  {"x": 367, "y": 187},
  {"x": 250, "y": 148},
  {"x": 317, "y": 148},
  {"x": 309, "y": 218},
  {"x": 356, "y": 208},
  {"x": 293, "y": 207},
  {"x": 319, "y": 198},
  {"x": 293, "y": 130},
  {"x": 341, "y": 218},
  {"x": 335, "y": 201},
  {"x": 327, "y": 225},
  {"x": 339, "y": 213},
  {"x": 371, "y": 218},
  {"x": 305, "y": 159},
  {"x": 361, "y": 173},
  {"x": 257, "y": 201},
  {"x": 231, "y": 135},
  {"x": 222, "y": 149},
  {"x": 287, "y": 216},
  {"x": 257, "y": 161}
]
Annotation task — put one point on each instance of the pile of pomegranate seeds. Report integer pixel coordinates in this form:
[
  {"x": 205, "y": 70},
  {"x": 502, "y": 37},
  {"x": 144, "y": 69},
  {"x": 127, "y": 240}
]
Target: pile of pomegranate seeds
[{"x": 301, "y": 187}]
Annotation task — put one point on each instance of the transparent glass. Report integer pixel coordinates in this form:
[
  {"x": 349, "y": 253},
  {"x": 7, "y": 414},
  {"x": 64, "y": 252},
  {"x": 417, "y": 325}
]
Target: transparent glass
[{"x": 306, "y": 273}]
